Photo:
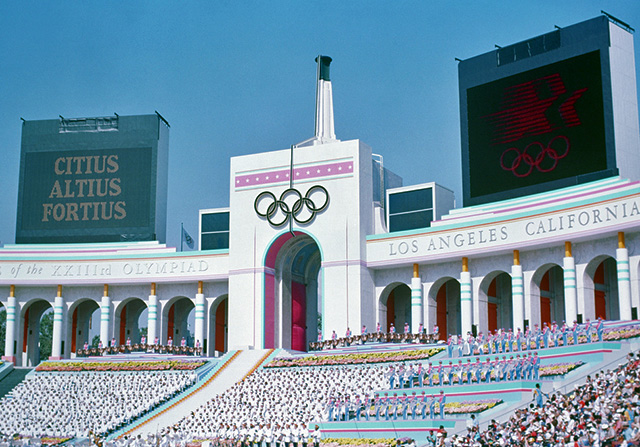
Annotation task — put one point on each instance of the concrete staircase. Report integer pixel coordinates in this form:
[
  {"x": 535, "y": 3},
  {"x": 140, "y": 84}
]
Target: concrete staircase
[
  {"x": 233, "y": 369},
  {"x": 13, "y": 378}
]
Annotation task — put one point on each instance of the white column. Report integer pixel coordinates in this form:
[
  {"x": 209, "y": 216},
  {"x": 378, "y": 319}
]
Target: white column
[
  {"x": 152, "y": 318},
  {"x": 105, "y": 320},
  {"x": 517, "y": 292},
  {"x": 624, "y": 280},
  {"x": 56, "y": 342},
  {"x": 570, "y": 291},
  {"x": 416, "y": 299},
  {"x": 465, "y": 298},
  {"x": 10, "y": 333},
  {"x": 199, "y": 321}
]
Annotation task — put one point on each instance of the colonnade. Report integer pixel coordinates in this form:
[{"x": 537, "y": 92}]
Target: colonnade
[
  {"x": 107, "y": 310},
  {"x": 420, "y": 315}
]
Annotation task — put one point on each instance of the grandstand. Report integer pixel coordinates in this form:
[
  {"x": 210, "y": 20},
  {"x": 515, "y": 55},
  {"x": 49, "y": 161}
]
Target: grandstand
[{"x": 374, "y": 390}]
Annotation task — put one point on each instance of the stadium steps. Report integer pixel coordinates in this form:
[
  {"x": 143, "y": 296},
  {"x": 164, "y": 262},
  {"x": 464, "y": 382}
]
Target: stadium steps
[
  {"x": 9, "y": 381},
  {"x": 233, "y": 367}
]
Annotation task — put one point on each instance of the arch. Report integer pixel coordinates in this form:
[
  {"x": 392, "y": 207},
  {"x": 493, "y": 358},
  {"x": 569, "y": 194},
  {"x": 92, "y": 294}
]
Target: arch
[
  {"x": 28, "y": 339},
  {"x": 495, "y": 289},
  {"x": 292, "y": 291},
  {"x": 176, "y": 314},
  {"x": 218, "y": 325},
  {"x": 547, "y": 294},
  {"x": 80, "y": 312},
  {"x": 600, "y": 282},
  {"x": 126, "y": 321},
  {"x": 3, "y": 329},
  {"x": 395, "y": 306},
  {"x": 445, "y": 293}
]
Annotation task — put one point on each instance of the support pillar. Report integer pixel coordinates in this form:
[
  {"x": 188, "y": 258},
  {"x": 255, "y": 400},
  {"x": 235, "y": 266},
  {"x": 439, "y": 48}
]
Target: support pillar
[
  {"x": 105, "y": 316},
  {"x": 517, "y": 292},
  {"x": 10, "y": 328},
  {"x": 152, "y": 319},
  {"x": 466, "y": 307},
  {"x": 416, "y": 299},
  {"x": 570, "y": 291},
  {"x": 624, "y": 280},
  {"x": 199, "y": 321},
  {"x": 58, "y": 310}
]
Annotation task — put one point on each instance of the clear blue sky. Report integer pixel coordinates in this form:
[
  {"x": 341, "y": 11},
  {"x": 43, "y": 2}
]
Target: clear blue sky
[{"x": 238, "y": 77}]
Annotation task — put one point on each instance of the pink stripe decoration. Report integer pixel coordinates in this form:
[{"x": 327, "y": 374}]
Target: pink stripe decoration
[
  {"x": 379, "y": 430},
  {"x": 546, "y": 202},
  {"x": 571, "y": 354},
  {"x": 304, "y": 173},
  {"x": 510, "y": 390}
]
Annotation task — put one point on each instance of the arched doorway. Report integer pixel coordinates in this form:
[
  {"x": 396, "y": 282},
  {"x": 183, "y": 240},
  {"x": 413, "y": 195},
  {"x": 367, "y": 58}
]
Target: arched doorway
[
  {"x": 177, "y": 315},
  {"x": 497, "y": 288},
  {"x": 395, "y": 307},
  {"x": 447, "y": 299},
  {"x": 549, "y": 280},
  {"x": 36, "y": 317},
  {"x": 127, "y": 320},
  {"x": 603, "y": 274},
  {"x": 218, "y": 325},
  {"x": 79, "y": 330},
  {"x": 292, "y": 292}
]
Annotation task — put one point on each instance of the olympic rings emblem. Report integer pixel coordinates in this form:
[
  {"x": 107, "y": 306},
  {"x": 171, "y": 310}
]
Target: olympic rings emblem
[
  {"x": 534, "y": 160},
  {"x": 290, "y": 206}
]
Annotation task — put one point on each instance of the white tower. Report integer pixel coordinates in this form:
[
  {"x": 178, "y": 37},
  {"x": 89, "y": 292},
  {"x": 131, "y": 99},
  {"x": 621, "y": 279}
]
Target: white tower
[{"x": 324, "y": 132}]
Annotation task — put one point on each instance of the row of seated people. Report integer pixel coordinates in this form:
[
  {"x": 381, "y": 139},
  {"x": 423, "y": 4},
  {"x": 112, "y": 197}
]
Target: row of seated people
[
  {"x": 506, "y": 340},
  {"x": 376, "y": 337},
  {"x": 73, "y": 404},
  {"x": 142, "y": 347},
  {"x": 525, "y": 367}
]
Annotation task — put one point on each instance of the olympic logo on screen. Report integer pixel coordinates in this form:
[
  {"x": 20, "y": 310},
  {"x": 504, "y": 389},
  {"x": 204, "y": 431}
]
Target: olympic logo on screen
[
  {"x": 534, "y": 156},
  {"x": 291, "y": 206}
]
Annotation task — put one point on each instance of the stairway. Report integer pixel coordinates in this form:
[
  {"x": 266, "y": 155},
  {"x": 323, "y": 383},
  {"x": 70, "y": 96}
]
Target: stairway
[
  {"x": 235, "y": 369},
  {"x": 12, "y": 379}
]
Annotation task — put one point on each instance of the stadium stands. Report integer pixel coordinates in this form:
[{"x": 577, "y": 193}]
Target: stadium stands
[{"x": 377, "y": 390}]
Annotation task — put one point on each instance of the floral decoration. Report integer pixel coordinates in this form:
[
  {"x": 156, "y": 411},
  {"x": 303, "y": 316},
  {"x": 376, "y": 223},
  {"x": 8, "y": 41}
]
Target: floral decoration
[
  {"x": 361, "y": 442},
  {"x": 621, "y": 333},
  {"x": 158, "y": 365},
  {"x": 52, "y": 440},
  {"x": 558, "y": 369},
  {"x": 470, "y": 406},
  {"x": 355, "y": 359}
]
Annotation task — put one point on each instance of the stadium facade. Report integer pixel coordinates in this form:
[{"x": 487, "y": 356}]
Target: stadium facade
[{"x": 549, "y": 230}]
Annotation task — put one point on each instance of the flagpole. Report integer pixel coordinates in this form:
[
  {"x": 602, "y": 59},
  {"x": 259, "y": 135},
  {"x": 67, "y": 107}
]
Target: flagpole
[{"x": 181, "y": 234}]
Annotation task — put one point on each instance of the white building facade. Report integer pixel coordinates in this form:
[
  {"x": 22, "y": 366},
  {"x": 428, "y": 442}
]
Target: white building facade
[{"x": 309, "y": 253}]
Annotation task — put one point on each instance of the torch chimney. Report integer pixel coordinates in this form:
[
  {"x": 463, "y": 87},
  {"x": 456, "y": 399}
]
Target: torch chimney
[{"x": 324, "y": 132}]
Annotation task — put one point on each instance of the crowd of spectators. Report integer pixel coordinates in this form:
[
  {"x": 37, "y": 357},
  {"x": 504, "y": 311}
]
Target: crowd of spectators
[
  {"x": 75, "y": 404},
  {"x": 277, "y": 403},
  {"x": 605, "y": 411}
]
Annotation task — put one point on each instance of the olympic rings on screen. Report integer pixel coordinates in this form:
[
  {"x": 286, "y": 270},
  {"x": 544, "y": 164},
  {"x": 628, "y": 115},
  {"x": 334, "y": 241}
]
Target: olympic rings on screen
[
  {"x": 534, "y": 160},
  {"x": 291, "y": 205}
]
